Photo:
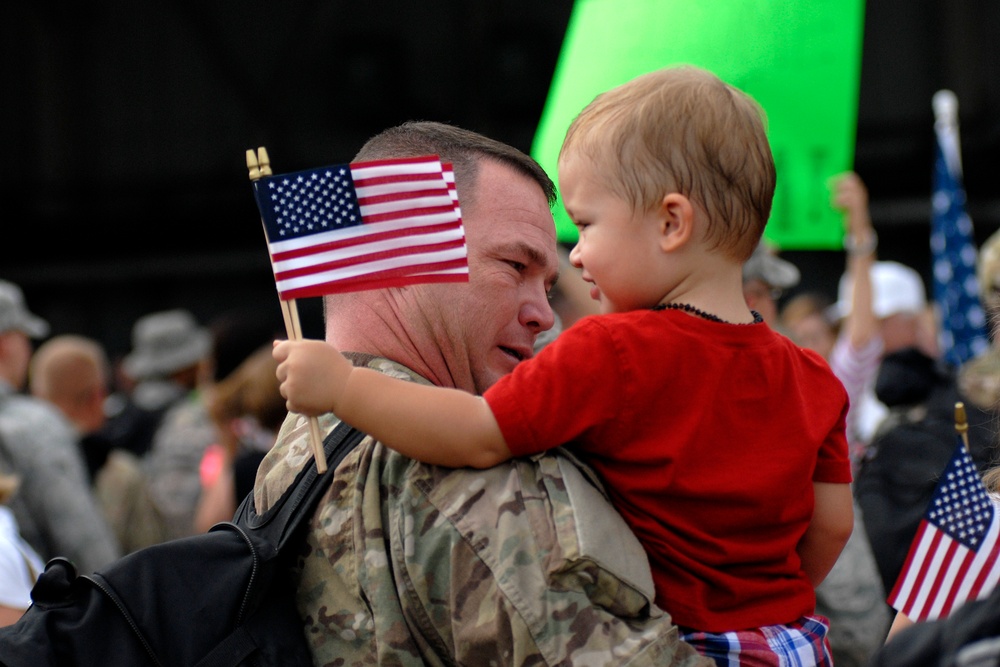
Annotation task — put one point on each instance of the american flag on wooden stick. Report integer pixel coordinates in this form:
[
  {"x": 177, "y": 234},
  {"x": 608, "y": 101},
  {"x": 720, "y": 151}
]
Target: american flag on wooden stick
[
  {"x": 363, "y": 225},
  {"x": 953, "y": 556}
]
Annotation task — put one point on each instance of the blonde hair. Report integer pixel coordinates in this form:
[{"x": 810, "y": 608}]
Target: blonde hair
[
  {"x": 682, "y": 129},
  {"x": 991, "y": 479},
  {"x": 251, "y": 390},
  {"x": 806, "y": 304}
]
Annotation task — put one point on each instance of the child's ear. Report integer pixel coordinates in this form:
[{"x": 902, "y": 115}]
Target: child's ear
[{"x": 676, "y": 221}]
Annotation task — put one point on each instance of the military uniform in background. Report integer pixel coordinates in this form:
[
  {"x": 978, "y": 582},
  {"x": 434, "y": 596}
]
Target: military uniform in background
[{"x": 54, "y": 507}]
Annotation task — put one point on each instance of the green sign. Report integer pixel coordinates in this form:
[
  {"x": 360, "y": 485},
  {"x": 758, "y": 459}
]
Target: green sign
[{"x": 799, "y": 59}]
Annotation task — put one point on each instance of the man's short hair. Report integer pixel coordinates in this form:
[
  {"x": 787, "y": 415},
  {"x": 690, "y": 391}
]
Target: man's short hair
[
  {"x": 68, "y": 369},
  {"x": 463, "y": 148},
  {"x": 683, "y": 129}
]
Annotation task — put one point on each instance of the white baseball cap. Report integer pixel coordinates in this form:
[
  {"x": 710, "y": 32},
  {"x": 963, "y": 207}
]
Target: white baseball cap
[{"x": 896, "y": 288}]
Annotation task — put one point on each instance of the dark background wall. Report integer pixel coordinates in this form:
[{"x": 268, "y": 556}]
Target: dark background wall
[{"x": 125, "y": 124}]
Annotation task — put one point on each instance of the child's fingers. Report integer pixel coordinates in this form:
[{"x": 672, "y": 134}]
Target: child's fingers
[{"x": 280, "y": 350}]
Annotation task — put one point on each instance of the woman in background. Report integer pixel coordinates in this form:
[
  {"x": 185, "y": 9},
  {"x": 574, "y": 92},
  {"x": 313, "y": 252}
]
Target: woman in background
[{"x": 248, "y": 410}]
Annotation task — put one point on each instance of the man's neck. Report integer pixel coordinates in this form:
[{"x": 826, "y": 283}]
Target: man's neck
[{"x": 385, "y": 329}]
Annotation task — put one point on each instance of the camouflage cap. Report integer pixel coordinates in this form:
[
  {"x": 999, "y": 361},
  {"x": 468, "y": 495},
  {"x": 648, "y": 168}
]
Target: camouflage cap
[
  {"x": 14, "y": 314},
  {"x": 765, "y": 265},
  {"x": 165, "y": 342}
]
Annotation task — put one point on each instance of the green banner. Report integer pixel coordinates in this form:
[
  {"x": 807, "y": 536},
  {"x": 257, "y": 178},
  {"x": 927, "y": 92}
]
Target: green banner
[{"x": 800, "y": 60}]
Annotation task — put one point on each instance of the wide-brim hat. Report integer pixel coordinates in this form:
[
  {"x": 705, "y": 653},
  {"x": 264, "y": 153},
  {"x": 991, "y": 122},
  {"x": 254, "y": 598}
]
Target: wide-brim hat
[
  {"x": 15, "y": 316},
  {"x": 164, "y": 343}
]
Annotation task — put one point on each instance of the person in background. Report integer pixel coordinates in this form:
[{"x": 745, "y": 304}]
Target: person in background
[
  {"x": 631, "y": 390},
  {"x": 55, "y": 509},
  {"x": 72, "y": 373},
  {"x": 968, "y": 635},
  {"x": 248, "y": 410},
  {"x": 765, "y": 279},
  {"x": 911, "y": 447},
  {"x": 917, "y": 439},
  {"x": 974, "y": 627},
  {"x": 524, "y": 563},
  {"x": 172, "y": 355},
  {"x": 979, "y": 378},
  {"x": 806, "y": 319},
  {"x": 881, "y": 307},
  {"x": 168, "y": 361},
  {"x": 19, "y": 564}
]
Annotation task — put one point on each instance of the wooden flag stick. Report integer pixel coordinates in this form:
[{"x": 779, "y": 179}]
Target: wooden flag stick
[
  {"x": 962, "y": 423},
  {"x": 258, "y": 165}
]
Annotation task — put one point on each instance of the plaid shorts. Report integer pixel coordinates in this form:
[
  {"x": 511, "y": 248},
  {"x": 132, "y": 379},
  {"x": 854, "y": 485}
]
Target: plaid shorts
[{"x": 803, "y": 643}]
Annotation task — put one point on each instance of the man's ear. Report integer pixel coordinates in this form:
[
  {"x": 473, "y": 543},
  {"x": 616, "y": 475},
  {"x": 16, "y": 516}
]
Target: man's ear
[{"x": 677, "y": 221}]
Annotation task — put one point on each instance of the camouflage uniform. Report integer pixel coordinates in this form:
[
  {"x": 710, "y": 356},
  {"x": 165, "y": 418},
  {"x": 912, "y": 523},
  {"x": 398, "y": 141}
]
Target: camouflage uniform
[
  {"x": 55, "y": 509},
  {"x": 173, "y": 463},
  {"x": 853, "y": 599},
  {"x": 410, "y": 564},
  {"x": 122, "y": 491},
  {"x": 979, "y": 379}
]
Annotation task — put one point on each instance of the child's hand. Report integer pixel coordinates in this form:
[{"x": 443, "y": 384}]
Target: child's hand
[{"x": 312, "y": 375}]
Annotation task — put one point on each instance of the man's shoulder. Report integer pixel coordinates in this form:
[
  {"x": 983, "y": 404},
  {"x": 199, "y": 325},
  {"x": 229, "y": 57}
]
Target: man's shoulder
[
  {"x": 560, "y": 500},
  {"x": 28, "y": 417},
  {"x": 541, "y": 525}
]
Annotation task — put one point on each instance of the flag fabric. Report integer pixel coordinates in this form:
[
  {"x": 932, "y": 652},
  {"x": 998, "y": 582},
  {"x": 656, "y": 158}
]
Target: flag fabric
[
  {"x": 963, "y": 331},
  {"x": 363, "y": 225},
  {"x": 953, "y": 556}
]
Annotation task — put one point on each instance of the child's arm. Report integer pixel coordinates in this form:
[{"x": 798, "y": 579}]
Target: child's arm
[
  {"x": 829, "y": 530},
  {"x": 436, "y": 425}
]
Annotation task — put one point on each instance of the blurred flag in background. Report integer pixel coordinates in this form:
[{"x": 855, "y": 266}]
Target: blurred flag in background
[{"x": 963, "y": 332}]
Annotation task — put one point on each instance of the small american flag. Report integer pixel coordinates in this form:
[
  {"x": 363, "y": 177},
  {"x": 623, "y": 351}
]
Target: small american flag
[
  {"x": 364, "y": 225},
  {"x": 953, "y": 556}
]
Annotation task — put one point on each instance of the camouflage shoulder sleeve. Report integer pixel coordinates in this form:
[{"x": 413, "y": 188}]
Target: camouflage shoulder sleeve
[{"x": 499, "y": 556}]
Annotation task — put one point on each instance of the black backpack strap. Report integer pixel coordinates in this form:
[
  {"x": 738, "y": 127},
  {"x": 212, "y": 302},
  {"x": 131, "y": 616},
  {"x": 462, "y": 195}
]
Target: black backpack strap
[{"x": 296, "y": 506}]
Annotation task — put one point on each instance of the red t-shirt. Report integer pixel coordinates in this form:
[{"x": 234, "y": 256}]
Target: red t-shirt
[{"x": 708, "y": 437}]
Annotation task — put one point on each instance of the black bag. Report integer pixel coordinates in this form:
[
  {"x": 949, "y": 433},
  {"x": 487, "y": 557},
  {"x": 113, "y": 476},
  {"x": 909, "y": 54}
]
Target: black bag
[{"x": 223, "y": 598}]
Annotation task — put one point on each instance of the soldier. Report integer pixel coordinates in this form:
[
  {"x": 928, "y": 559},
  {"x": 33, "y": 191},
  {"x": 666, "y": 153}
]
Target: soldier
[
  {"x": 54, "y": 507},
  {"x": 524, "y": 563}
]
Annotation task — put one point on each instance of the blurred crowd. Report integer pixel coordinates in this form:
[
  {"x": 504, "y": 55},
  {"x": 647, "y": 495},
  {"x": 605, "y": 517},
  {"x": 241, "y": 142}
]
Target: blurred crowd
[{"x": 100, "y": 458}]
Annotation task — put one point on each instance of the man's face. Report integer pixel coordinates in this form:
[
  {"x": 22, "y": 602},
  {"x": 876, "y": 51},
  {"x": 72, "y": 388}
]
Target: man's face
[
  {"x": 489, "y": 325},
  {"x": 17, "y": 350}
]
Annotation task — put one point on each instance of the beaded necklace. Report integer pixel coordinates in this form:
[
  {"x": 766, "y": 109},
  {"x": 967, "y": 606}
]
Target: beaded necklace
[{"x": 688, "y": 308}]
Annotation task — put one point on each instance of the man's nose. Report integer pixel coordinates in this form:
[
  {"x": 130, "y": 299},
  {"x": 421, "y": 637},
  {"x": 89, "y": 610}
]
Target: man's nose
[{"x": 536, "y": 311}]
